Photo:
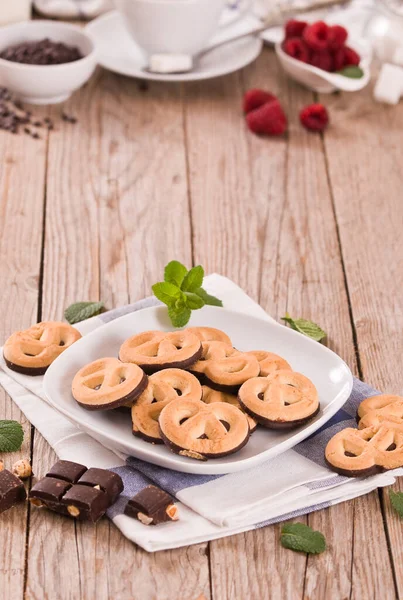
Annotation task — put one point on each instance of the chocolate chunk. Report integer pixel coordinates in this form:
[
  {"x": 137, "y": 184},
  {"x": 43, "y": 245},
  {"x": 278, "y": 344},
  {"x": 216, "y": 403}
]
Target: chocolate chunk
[
  {"x": 12, "y": 490},
  {"x": 152, "y": 506},
  {"x": 85, "y": 503},
  {"x": 67, "y": 470},
  {"x": 49, "y": 489},
  {"x": 109, "y": 482}
]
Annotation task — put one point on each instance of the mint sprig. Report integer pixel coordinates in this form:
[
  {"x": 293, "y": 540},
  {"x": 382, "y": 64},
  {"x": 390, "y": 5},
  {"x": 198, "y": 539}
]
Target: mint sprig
[
  {"x": 308, "y": 328},
  {"x": 396, "y": 500},
  {"x": 11, "y": 436},
  {"x": 301, "y": 538},
  {"x": 79, "y": 311},
  {"x": 353, "y": 72},
  {"x": 182, "y": 292}
]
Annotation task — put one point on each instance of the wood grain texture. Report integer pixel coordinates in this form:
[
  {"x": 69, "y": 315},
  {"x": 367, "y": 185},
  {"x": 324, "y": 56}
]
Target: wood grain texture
[
  {"x": 111, "y": 225},
  {"x": 22, "y": 179},
  {"x": 363, "y": 152}
]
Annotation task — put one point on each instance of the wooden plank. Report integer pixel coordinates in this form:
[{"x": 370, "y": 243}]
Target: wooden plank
[
  {"x": 117, "y": 211},
  {"x": 22, "y": 178},
  {"x": 364, "y": 153}
]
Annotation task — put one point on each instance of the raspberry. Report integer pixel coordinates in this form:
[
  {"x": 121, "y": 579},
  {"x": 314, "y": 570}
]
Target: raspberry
[
  {"x": 294, "y": 28},
  {"x": 317, "y": 36},
  {"x": 255, "y": 98},
  {"x": 338, "y": 59},
  {"x": 351, "y": 57},
  {"x": 314, "y": 117},
  {"x": 269, "y": 119},
  {"x": 337, "y": 37},
  {"x": 296, "y": 48},
  {"x": 322, "y": 60}
]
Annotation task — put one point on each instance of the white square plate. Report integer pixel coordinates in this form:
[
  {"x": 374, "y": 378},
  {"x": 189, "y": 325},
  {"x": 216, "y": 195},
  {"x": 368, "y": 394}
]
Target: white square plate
[{"x": 328, "y": 372}]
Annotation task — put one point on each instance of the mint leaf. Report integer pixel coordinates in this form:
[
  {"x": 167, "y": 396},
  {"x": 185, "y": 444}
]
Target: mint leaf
[
  {"x": 11, "y": 436},
  {"x": 308, "y": 328},
  {"x": 82, "y": 310},
  {"x": 175, "y": 273},
  {"x": 301, "y": 538},
  {"x": 396, "y": 500},
  {"x": 193, "y": 301},
  {"x": 352, "y": 71},
  {"x": 193, "y": 279},
  {"x": 208, "y": 298},
  {"x": 168, "y": 293},
  {"x": 179, "y": 317}
]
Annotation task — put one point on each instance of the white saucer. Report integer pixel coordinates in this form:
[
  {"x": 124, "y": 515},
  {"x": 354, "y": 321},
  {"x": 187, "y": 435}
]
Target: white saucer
[{"x": 118, "y": 52}]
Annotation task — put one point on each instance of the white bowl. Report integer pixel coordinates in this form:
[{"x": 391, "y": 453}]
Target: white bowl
[
  {"x": 46, "y": 84},
  {"x": 321, "y": 81}
]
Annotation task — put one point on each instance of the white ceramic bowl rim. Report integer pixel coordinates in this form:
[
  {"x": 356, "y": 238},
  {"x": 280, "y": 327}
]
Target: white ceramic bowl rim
[{"x": 51, "y": 26}]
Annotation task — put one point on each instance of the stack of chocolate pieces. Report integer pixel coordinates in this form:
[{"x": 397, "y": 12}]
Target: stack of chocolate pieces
[{"x": 73, "y": 490}]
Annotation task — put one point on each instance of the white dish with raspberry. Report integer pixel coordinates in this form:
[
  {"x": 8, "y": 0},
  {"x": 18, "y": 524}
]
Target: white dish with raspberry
[
  {"x": 322, "y": 81},
  {"x": 113, "y": 429}
]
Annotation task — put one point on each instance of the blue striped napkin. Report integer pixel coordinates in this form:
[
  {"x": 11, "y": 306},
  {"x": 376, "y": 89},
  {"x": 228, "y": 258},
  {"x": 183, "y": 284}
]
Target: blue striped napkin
[{"x": 293, "y": 484}]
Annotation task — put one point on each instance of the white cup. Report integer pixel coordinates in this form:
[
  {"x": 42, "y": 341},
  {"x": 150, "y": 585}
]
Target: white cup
[{"x": 171, "y": 26}]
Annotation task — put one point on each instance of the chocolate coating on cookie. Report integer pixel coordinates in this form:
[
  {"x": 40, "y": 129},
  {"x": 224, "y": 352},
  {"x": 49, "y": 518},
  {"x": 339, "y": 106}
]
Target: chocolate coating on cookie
[
  {"x": 198, "y": 430},
  {"x": 33, "y": 350},
  {"x": 163, "y": 387},
  {"x": 108, "y": 383},
  {"x": 157, "y": 350},
  {"x": 284, "y": 400}
]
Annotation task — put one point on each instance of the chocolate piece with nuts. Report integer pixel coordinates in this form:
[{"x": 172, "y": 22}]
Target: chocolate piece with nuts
[
  {"x": 72, "y": 489},
  {"x": 109, "y": 482},
  {"x": 152, "y": 506},
  {"x": 12, "y": 490}
]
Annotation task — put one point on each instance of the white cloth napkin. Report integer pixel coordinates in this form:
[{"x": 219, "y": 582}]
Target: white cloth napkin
[{"x": 210, "y": 507}]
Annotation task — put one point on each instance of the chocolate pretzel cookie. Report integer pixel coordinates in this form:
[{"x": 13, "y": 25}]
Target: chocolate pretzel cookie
[
  {"x": 108, "y": 383},
  {"x": 210, "y": 334},
  {"x": 197, "y": 430},
  {"x": 157, "y": 350},
  {"x": 210, "y": 396},
  {"x": 360, "y": 453},
  {"x": 33, "y": 350},
  {"x": 378, "y": 409},
  {"x": 283, "y": 400},
  {"x": 224, "y": 368},
  {"x": 269, "y": 362},
  {"x": 162, "y": 388}
]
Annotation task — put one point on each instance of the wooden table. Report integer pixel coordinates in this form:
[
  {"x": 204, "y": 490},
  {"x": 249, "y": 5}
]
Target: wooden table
[{"x": 310, "y": 224}]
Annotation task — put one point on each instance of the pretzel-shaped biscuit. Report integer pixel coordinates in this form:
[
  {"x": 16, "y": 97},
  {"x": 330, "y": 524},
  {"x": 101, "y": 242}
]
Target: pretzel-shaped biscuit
[
  {"x": 198, "y": 430},
  {"x": 224, "y": 368},
  {"x": 156, "y": 350},
  {"x": 283, "y": 400},
  {"x": 210, "y": 334},
  {"x": 357, "y": 453},
  {"x": 162, "y": 388},
  {"x": 210, "y": 395},
  {"x": 378, "y": 409},
  {"x": 269, "y": 362},
  {"x": 33, "y": 350},
  {"x": 108, "y": 383}
]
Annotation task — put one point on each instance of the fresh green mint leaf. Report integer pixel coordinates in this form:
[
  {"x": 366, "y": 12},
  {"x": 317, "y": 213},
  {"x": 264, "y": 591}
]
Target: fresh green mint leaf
[
  {"x": 353, "y": 71},
  {"x": 175, "y": 273},
  {"x": 179, "y": 317},
  {"x": 301, "y": 538},
  {"x": 308, "y": 328},
  {"x": 168, "y": 293},
  {"x": 82, "y": 310},
  {"x": 193, "y": 301},
  {"x": 193, "y": 279},
  {"x": 208, "y": 298},
  {"x": 11, "y": 436},
  {"x": 396, "y": 500}
]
